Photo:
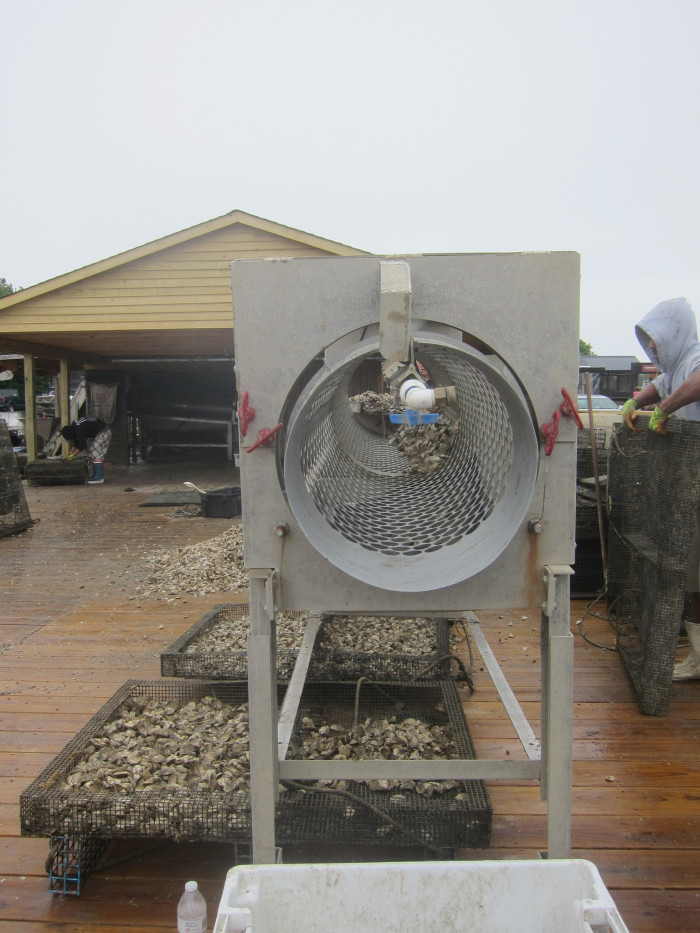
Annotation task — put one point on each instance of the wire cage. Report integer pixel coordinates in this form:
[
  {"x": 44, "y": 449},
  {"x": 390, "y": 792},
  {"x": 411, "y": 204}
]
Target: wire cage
[
  {"x": 204, "y": 651},
  {"x": 80, "y": 820},
  {"x": 653, "y": 488},
  {"x": 71, "y": 859},
  {"x": 14, "y": 512},
  {"x": 57, "y": 472},
  {"x": 588, "y": 579},
  {"x": 167, "y": 810},
  {"x": 215, "y": 646},
  {"x": 342, "y": 651},
  {"x": 584, "y": 453},
  {"x": 363, "y": 813}
]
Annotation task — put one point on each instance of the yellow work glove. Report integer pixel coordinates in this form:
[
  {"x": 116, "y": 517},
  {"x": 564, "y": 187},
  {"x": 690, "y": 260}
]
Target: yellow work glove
[
  {"x": 658, "y": 420},
  {"x": 629, "y": 413}
]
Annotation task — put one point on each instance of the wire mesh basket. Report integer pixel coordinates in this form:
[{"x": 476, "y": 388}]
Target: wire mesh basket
[
  {"x": 57, "y": 472},
  {"x": 588, "y": 578},
  {"x": 584, "y": 453},
  {"x": 205, "y": 650},
  {"x": 402, "y": 649},
  {"x": 359, "y": 812},
  {"x": 654, "y": 487},
  {"x": 50, "y": 805}
]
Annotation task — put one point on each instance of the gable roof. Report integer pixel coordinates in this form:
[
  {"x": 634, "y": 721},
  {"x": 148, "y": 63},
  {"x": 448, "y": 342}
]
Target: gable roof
[
  {"x": 174, "y": 239},
  {"x": 168, "y": 298}
]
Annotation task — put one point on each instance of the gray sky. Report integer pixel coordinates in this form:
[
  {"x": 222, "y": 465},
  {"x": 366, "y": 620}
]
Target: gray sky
[{"x": 412, "y": 126}]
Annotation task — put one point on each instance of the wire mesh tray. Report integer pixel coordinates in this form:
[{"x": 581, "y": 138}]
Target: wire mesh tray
[
  {"x": 384, "y": 663},
  {"x": 362, "y": 814},
  {"x": 186, "y": 658},
  {"x": 48, "y": 806},
  {"x": 56, "y": 472}
]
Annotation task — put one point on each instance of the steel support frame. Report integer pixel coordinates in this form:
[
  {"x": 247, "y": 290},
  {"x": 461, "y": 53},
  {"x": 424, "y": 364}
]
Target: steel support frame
[{"x": 550, "y": 763}]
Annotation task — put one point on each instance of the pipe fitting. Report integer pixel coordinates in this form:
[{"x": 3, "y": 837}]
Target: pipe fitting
[{"x": 414, "y": 395}]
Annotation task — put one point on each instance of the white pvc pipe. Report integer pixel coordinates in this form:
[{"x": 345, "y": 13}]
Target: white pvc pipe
[{"x": 416, "y": 396}]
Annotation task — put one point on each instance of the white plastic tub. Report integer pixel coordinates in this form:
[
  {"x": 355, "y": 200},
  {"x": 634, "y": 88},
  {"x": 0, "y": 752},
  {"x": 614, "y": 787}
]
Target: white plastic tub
[{"x": 557, "y": 896}]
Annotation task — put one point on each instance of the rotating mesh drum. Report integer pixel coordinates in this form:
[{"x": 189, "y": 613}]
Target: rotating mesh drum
[{"x": 362, "y": 501}]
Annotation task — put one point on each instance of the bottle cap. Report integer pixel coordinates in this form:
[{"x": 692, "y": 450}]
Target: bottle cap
[{"x": 191, "y": 886}]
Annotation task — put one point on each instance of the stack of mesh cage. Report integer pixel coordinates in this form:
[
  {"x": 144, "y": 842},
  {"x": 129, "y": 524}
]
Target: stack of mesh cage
[
  {"x": 653, "y": 489},
  {"x": 14, "y": 513},
  {"x": 356, "y": 813},
  {"x": 584, "y": 453},
  {"x": 589, "y": 577}
]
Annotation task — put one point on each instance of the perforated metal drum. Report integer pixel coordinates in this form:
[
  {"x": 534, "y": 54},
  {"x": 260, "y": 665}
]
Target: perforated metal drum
[{"x": 372, "y": 510}]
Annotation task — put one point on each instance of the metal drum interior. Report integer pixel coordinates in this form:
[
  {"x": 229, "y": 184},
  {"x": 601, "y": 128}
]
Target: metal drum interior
[{"x": 361, "y": 501}]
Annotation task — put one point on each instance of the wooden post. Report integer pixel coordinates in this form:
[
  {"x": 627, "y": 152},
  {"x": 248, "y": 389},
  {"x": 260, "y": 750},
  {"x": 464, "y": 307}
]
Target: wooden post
[
  {"x": 64, "y": 400},
  {"x": 29, "y": 407}
]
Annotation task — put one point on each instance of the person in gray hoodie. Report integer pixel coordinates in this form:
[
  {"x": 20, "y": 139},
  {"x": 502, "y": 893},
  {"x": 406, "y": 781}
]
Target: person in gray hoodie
[{"x": 669, "y": 336}]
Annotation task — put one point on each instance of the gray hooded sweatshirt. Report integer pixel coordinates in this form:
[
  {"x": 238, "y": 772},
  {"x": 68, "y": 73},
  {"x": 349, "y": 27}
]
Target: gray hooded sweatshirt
[{"x": 672, "y": 327}]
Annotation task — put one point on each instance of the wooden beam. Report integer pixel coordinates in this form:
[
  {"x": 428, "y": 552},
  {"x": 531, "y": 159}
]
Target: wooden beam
[
  {"x": 30, "y": 407},
  {"x": 41, "y": 351},
  {"x": 64, "y": 400}
]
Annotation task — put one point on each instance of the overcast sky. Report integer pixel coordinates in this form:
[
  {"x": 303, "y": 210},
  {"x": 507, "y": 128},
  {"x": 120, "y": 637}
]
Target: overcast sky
[{"x": 412, "y": 126}]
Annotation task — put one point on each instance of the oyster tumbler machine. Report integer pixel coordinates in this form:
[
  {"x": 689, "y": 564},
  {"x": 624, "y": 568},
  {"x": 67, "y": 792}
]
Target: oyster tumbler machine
[{"x": 336, "y": 516}]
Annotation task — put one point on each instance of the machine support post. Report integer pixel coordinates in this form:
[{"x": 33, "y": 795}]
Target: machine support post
[
  {"x": 262, "y": 709},
  {"x": 557, "y": 644}
]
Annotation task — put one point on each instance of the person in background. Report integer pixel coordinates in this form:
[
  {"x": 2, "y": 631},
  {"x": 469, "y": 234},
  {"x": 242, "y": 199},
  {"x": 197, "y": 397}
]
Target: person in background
[
  {"x": 669, "y": 336},
  {"x": 91, "y": 435}
]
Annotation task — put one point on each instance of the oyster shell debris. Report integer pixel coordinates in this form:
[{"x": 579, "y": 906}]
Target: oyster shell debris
[
  {"x": 214, "y": 566},
  {"x": 426, "y": 446},
  {"x": 380, "y": 634},
  {"x": 228, "y": 634},
  {"x": 164, "y": 745},
  {"x": 388, "y": 739}
]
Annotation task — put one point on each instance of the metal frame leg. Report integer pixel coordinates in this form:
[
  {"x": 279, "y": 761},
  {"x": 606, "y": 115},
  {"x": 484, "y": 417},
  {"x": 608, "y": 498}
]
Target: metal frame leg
[
  {"x": 557, "y": 644},
  {"x": 262, "y": 709}
]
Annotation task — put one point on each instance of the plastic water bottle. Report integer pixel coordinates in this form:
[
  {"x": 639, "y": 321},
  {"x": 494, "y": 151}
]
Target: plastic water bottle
[{"x": 192, "y": 910}]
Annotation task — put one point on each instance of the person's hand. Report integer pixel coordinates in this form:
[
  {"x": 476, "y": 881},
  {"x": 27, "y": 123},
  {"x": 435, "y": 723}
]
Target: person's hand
[
  {"x": 629, "y": 413},
  {"x": 658, "y": 420}
]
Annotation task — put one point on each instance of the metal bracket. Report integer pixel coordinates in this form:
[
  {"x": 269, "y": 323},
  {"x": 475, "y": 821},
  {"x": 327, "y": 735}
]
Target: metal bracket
[
  {"x": 271, "y": 576},
  {"x": 551, "y": 572}
]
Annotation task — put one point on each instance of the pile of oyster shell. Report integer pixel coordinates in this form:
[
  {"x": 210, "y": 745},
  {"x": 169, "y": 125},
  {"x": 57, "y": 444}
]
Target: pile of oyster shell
[
  {"x": 373, "y": 403},
  {"x": 378, "y": 634},
  {"x": 426, "y": 446},
  {"x": 388, "y": 739},
  {"x": 214, "y": 566},
  {"x": 166, "y": 745},
  {"x": 229, "y": 634}
]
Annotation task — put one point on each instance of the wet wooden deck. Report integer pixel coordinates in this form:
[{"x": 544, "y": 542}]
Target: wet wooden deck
[{"x": 71, "y": 634}]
